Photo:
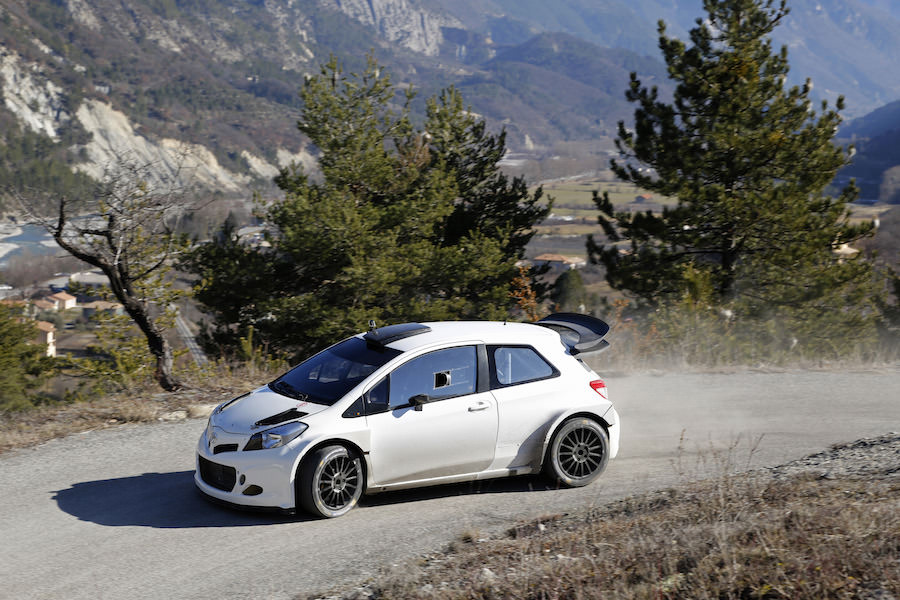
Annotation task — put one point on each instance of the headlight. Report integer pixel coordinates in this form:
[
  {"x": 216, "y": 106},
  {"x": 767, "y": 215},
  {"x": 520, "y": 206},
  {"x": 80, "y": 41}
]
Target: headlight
[{"x": 276, "y": 437}]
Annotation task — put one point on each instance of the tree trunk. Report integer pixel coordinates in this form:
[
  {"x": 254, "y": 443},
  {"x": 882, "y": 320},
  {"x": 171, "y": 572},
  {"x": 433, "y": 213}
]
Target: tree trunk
[
  {"x": 161, "y": 350},
  {"x": 156, "y": 341}
]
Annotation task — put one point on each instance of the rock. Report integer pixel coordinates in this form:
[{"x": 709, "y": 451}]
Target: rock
[{"x": 175, "y": 415}]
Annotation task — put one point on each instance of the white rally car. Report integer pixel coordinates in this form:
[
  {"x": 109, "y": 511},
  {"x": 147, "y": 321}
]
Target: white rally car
[{"x": 412, "y": 405}]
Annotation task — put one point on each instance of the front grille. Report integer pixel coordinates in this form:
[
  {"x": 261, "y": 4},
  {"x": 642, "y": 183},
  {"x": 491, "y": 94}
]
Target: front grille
[
  {"x": 225, "y": 448},
  {"x": 219, "y": 476}
]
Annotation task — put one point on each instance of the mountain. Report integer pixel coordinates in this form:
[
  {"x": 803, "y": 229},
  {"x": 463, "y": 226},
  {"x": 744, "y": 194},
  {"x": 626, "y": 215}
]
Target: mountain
[
  {"x": 876, "y": 163},
  {"x": 847, "y": 47},
  {"x": 558, "y": 87},
  {"x": 217, "y": 80}
]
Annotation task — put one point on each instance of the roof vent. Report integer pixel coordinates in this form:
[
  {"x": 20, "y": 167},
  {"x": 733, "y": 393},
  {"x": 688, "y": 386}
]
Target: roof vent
[{"x": 392, "y": 333}]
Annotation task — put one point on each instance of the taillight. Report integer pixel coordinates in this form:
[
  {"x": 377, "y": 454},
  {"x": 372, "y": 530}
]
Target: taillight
[{"x": 600, "y": 387}]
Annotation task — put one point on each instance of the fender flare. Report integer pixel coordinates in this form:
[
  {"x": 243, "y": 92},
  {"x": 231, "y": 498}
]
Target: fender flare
[{"x": 557, "y": 423}]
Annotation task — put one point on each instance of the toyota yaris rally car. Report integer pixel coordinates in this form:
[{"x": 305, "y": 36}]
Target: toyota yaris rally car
[{"x": 412, "y": 405}]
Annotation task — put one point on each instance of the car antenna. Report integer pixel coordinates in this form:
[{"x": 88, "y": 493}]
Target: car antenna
[{"x": 372, "y": 326}]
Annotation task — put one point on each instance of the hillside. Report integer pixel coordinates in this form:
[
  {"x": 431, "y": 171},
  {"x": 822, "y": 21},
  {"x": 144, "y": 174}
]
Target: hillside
[
  {"x": 152, "y": 77},
  {"x": 848, "y": 47},
  {"x": 557, "y": 87},
  {"x": 876, "y": 164},
  {"x": 218, "y": 79}
]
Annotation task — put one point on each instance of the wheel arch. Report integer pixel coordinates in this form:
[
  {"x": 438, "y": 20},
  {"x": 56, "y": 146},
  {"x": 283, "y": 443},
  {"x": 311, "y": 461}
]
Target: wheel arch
[
  {"x": 551, "y": 431},
  {"x": 351, "y": 446}
]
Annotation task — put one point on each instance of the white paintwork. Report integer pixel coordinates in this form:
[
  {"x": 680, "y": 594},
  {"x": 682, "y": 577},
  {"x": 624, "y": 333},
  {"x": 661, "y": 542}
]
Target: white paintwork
[
  {"x": 494, "y": 433},
  {"x": 449, "y": 437}
]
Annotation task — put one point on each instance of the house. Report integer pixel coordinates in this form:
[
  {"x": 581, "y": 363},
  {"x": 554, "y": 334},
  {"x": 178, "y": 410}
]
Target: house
[
  {"x": 62, "y": 300},
  {"x": 89, "y": 309},
  {"x": 559, "y": 262},
  {"x": 57, "y": 284},
  {"x": 18, "y": 307},
  {"x": 642, "y": 198},
  {"x": 42, "y": 304},
  {"x": 90, "y": 279},
  {"x": 253, "y": 236},
  {"x": 47, "y": 336}
]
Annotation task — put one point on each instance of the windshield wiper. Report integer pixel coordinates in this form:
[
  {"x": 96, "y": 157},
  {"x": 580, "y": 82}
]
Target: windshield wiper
[{"x": 286, "y": 389}]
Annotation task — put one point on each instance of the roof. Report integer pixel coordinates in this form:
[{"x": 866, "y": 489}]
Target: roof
[
  {"x": 62, "y": 296},
  {"x": 43, "y": 304},
  {"x": 552, "y": 257},
  {"x": 491, "y": 332},
  {"x": 90, "y": 278},
  {"x": 569, "y": 260},
  {"x": 45, "y": 326}
]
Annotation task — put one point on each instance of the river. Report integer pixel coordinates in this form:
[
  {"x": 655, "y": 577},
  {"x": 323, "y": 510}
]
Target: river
[{"x": 17, "y": 239}]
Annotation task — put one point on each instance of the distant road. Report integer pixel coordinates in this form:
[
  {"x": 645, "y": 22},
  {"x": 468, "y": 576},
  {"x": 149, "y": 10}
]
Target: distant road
[
  {"x": 189, "y": 340},
  {"x": 113, "y": 513}
]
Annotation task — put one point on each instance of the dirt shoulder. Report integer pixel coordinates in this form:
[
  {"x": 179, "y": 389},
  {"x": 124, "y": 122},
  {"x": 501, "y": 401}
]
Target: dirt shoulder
[
  {"x": 42, "y": 424},
  {"x": 824, "y": 526}
]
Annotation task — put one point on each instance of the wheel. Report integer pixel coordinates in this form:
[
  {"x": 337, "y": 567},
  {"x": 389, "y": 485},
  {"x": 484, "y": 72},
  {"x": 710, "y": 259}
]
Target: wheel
[
  {"x": 578, "y": 452},
  {"x": 330, "y": 481}
]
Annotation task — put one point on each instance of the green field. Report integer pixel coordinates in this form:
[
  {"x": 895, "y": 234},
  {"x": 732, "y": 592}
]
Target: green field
[{"x": 573, "y": 198}]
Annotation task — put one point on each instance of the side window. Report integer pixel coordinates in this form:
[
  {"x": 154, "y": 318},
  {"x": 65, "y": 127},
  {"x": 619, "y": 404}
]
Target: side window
[
  {"x": 518, "y": 364},
  {"x": 440, "y": 374}
]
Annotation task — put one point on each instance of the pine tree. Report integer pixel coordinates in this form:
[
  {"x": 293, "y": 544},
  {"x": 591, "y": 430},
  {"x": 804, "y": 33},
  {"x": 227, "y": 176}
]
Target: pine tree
[
  {"x": 489, "y": 201},
  {"x": 749, "y": 162},
  {"x": 569, "y": 293},
  {"x": 23, "y": 365},
  {"x": 387, "y": 233}
]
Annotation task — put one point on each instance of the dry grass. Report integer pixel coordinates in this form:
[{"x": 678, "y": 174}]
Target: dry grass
[
  {"x": 737, "y": 536},
  {"x": 144, "y": 403}
]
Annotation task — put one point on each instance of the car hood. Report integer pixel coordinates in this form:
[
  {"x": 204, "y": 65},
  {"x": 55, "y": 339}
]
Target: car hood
[{"x": 262, "y": 409}]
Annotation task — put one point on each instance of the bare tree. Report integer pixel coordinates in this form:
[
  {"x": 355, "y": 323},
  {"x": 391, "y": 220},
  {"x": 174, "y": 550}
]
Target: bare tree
[{"x": 127, "y": 230}]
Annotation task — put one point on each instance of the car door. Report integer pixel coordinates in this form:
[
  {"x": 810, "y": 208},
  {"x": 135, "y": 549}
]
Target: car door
[
  {"x": 426, "y": 419},
  {"x": 526, "y": 388}
]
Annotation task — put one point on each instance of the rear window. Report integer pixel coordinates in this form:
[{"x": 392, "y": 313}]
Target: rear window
[
  {"x": 329, "y": 375},
  {"x": 511, "y": 365}
]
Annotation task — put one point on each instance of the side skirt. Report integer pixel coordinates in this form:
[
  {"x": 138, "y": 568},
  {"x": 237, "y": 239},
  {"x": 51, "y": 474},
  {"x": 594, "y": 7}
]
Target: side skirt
[{"x": 493, "y": 474}]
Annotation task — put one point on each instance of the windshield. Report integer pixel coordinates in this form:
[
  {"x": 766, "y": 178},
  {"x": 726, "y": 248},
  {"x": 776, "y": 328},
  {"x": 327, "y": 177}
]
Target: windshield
[{"x": 327, "y": 376}]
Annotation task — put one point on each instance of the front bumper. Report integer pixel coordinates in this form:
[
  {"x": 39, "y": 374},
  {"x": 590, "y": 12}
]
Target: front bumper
[{"x": 261, "y": 479}]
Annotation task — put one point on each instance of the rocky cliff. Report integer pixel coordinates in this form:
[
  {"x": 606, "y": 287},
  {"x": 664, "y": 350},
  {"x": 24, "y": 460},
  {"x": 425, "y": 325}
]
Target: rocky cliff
[{"x": 402, "y": 22}]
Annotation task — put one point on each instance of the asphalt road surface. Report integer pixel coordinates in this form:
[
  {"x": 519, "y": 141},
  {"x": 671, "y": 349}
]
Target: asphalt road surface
[{"x": 114, "y": 514}]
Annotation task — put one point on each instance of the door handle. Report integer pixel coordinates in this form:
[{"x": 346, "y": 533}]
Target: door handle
[{"x": 479, "y": 406}]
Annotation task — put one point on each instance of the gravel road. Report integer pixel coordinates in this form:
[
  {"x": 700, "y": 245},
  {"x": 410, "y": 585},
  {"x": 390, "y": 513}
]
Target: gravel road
[{"x": 113, "y": 513}]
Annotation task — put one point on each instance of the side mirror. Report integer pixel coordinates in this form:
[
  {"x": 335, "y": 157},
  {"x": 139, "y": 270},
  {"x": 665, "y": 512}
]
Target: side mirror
[{"x": 418, "y": 400}]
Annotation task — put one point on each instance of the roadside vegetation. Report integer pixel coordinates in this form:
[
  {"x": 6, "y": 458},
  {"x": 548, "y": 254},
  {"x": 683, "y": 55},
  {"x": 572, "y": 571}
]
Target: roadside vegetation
[
  {"x": 96, "y": 407},
  {"x": 804, "y": 534}
]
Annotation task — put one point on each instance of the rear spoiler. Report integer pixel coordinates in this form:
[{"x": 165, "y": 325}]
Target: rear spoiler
[{"x": 579, "y": 333}]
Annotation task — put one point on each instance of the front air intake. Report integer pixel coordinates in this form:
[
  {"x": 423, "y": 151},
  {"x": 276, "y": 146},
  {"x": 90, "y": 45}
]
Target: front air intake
[
  {"x": 221, "y": 477},
  {"x": 225, "y": 448}
]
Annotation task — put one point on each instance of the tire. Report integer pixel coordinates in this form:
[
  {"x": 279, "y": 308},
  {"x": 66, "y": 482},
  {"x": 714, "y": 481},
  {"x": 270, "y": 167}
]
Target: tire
[
  {"x": 330, "y": 482},
  {"x": 578, "y": 452}
]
